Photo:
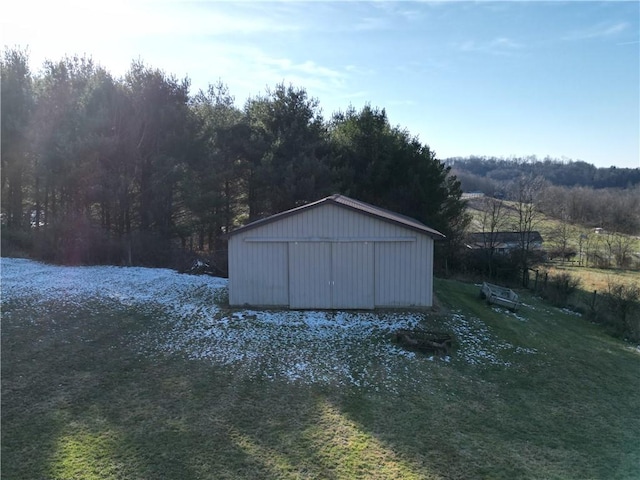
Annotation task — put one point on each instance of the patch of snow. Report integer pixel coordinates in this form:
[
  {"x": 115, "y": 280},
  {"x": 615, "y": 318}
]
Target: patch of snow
[
  {"x": 506, "y": 311},
  {"x": 526, "y": 350},
  {"x": 300, "y": 346},
  {"x": 39, "y": 283},
  {"x": 477, "y": 345},
  {"x": 338, "y": 348},
  {"x": 570, "y": 312}
]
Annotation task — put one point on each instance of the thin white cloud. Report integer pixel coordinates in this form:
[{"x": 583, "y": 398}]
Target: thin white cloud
[
  {"x": 250, "y": 70},
  {"x": 221, "y": 19},
  {"x": 410, "y": 11},
  {"x": 287, "y": 68},
  {"x": 497, "y": 46},
  {"x": 359, "y": 70},
  {"x": 603, "y": 30},
  {"x": 371, "y": 23},
  {"x": 503, "y": 42}
]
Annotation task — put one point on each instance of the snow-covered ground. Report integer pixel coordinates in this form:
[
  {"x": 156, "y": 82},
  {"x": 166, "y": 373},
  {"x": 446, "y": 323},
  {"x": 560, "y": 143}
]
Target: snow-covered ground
[{"x": 300, "y": 346}]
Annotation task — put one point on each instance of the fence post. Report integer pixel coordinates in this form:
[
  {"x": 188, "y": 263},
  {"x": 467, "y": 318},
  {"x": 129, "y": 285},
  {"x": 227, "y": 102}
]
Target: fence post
[{"x": 593, "y": 300}]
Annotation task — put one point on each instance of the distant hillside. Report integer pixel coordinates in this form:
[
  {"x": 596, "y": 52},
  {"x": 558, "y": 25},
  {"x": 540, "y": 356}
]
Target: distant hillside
[
  {"x": 489, "y": 173},
  {"x": 592, "y": 247},
  {"x": 574, "y": 192}
]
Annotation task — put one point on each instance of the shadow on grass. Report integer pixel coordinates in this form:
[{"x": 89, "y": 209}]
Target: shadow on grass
[{"x": 79, "y": 401}]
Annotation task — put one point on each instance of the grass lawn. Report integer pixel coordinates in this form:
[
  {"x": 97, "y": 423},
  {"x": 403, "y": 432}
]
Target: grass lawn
[
  {"x": 596, "y": 278},
  {"x": 88, "y": 394}
]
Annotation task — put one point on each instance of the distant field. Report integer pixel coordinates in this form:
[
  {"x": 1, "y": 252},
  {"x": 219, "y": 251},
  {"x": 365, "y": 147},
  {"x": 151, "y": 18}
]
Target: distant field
[
  {"x": 597, "y": 279},
  {"x": 118, "y": 373},
  {"x": 547, "y": 226},
  {"x": 550, "y": 229}
]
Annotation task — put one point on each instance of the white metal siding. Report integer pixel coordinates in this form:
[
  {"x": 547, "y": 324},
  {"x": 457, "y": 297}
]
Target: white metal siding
[
  {"x": 331, "y": 275},
  {"x": 328, "y": 222},
  {"x": 352, "y": 275},
  {"x": 404, "y": 274},
  {"x": 398, "y": 260},
  {"x": 310, "y": 275},
  {"x": 258, "y": 273}
]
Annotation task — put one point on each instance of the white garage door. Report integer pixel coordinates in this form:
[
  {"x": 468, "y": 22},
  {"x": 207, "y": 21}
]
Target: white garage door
[
  {"x": 310, "y": 275},
  {"x": 352, "y": 275},
  {"x": 331, "y": 275}
]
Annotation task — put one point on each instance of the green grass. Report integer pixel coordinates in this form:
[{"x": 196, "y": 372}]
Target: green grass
[{"x": 79, "y": 401}]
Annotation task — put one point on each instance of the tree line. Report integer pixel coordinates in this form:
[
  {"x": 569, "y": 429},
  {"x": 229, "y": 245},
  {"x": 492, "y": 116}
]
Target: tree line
[
  {"x": 565, "y": 173},
  {"x": 591, "y": 197},
  {"x": 614, "y": 210},
  {"x": 131, "y": 170}
]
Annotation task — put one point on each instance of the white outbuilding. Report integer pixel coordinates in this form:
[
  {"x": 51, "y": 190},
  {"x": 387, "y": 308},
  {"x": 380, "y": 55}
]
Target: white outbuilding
[{"x": 336, "y": 253}]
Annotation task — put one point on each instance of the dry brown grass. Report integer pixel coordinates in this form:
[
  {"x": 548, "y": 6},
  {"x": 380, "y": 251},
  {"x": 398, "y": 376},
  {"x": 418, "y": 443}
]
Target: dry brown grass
[{"x": 597, "y": 279}]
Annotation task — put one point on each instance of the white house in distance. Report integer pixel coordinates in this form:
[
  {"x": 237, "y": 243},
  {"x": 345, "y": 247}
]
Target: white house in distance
[{"x": 336, "y": 253}]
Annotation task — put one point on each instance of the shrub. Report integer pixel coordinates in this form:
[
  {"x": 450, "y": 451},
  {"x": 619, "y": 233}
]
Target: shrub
[
  {"x": 558, "y": 288},
  {"x": 622, "y": 309},
  {"x": 15, "y": 241}
]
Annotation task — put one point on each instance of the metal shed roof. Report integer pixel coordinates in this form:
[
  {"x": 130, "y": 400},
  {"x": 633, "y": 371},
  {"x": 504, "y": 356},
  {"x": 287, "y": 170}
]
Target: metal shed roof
[
  {"x": 350, "y": 203},
  {"x": 504, "y": 237}
]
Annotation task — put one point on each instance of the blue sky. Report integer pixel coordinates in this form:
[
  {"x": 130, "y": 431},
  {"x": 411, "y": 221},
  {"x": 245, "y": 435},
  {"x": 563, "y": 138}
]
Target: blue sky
[{"x": 484, "y": 78}]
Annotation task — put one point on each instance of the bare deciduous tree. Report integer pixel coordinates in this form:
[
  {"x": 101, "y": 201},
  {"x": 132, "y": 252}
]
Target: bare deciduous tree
[
  {"x": 494, "y": 220},
  {"x": 560, "y": 239},
  {"x": 526, "y": 192},
  {"x": 622, "y": 246}
]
